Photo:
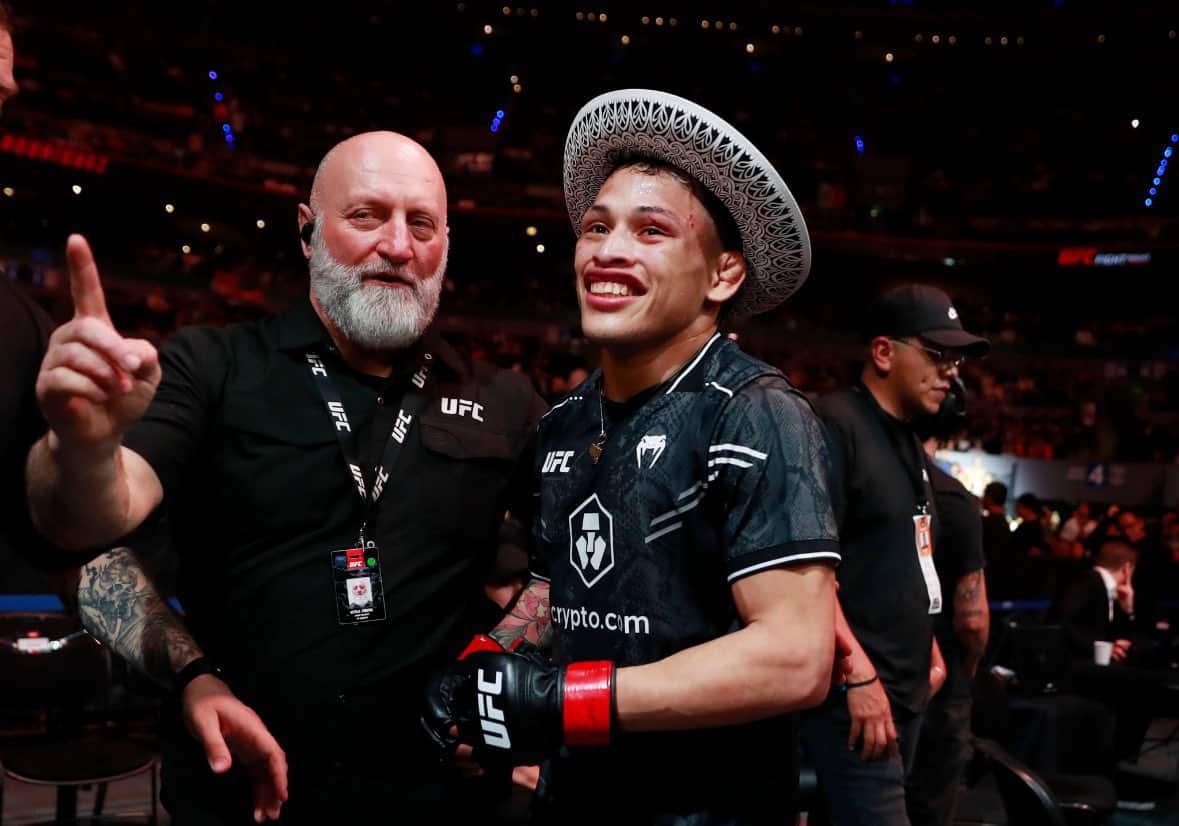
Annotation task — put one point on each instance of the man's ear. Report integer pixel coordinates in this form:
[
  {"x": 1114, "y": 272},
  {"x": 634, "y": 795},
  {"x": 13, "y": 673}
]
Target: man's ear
[
  {"x": 881, "y": 351},
  {"x": 306, "y": 221},
  {"x": 727, "y": 277}
]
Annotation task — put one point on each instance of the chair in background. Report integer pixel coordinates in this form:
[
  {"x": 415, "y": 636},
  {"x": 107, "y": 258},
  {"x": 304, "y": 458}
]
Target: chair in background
[
  {"x": 1031, "y": 800},
  {"x": 55, "y": 693}
]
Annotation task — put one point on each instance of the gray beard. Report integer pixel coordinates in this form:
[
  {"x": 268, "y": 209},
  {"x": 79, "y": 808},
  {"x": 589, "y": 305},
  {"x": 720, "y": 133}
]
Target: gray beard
[{"x": 373, "y": 317}]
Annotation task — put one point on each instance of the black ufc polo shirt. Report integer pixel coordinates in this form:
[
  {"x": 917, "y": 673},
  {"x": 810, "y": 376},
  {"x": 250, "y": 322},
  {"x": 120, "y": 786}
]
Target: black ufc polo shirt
[
  {"x": 715, "y": 475},
  {"x": 875, "y": 461},
  {"x": 258, "y": 495}
]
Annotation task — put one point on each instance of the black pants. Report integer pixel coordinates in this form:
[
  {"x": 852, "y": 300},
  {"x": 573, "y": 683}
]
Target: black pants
[
  {"x": 857, "y": 792},
  {"x": 392, "y": 785},
  {"x": 943, "y": 752}
]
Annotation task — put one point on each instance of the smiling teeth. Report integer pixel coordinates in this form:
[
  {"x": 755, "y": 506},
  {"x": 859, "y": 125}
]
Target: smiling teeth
[{"x": 608, "y": 288}]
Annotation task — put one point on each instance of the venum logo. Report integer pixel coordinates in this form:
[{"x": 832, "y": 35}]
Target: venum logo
[
  {"x": 557, "y": 461},
  {"x": 491, "y": 719},
  {"x": 462, "y": 407},
  {"x": 651, "y": 445},
  {"x": 591, "y": 540}
]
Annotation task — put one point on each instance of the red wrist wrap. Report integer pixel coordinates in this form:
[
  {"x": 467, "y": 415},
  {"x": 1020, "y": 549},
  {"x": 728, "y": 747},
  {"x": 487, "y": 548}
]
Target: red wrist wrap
[
  {"x": 481, "y": 642},
  {"x": 588, "y": 706}
]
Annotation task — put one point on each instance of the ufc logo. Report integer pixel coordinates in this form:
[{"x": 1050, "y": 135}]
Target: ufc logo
[
  {"x": 419, "y": 378},
  {"x": 359, "y": 477},
  {"x": 317, "y": 368},
  {"x": 337, "y": 411},
  {"x": 379, "y": 484},
  {"x": 402, "y": 426},
  {"x": 557, "y": 461},
  {"x": 461, "y": 407},
  {"x": 495, "y": 733}
]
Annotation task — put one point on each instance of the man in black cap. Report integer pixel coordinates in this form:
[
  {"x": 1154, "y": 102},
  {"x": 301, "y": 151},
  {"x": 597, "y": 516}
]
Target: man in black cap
[{"x": 889, "y": 588}]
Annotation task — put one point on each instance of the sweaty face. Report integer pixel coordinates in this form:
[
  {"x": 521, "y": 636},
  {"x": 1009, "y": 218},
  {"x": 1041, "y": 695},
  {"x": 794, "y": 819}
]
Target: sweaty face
[
  {"x": 378, "y": 251},
  {"x": 644, "y": 261}
]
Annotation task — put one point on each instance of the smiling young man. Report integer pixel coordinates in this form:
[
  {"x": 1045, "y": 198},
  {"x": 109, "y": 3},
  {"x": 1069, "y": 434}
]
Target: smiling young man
[
  {"x": 684, "y": 540},
  {"x": 888, "y": 586}
]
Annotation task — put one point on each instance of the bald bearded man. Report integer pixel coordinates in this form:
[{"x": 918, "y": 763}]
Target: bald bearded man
[{"x": 334, "y": 479}]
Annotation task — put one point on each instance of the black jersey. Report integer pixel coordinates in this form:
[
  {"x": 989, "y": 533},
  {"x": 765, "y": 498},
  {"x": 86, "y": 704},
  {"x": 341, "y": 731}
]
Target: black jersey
[{"x": 716, "y": 474}]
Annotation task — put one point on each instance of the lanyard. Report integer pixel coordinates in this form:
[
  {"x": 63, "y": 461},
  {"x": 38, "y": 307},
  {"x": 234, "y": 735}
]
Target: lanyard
[
  {"x": 411, "y": 404},
  {"x": 918, "y": 475}
]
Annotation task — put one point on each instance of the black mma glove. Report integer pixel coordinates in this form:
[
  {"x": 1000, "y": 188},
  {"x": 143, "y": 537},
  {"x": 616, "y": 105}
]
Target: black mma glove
[{"x": 518, "y": 705}]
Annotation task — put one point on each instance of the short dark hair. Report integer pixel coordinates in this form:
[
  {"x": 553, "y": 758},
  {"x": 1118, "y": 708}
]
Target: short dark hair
[
  {"x": 726, "y": 227},
  {"x": 5, "y": 17},
  {"x": 1115, "y": 551},
  {"x": 996, "y": 492},
  {"x": 1030, "y": 501}
]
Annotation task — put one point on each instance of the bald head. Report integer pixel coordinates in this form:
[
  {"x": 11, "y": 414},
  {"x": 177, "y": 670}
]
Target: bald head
[{"x": 382, "y": 160}]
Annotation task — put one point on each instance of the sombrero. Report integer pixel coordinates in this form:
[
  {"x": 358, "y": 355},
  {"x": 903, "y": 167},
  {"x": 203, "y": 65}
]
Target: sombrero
[{"x": 774, "y": 239}]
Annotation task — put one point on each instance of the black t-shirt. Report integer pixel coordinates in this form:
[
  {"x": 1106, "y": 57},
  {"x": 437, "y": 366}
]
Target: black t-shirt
[
  {"x": 259, "y": 495},
  {"x": 1028, "y": 536},
  {"x": 959, "y": 552},
  {"x": 717, "y": 474},
  {"x": 877, "y": 468}
]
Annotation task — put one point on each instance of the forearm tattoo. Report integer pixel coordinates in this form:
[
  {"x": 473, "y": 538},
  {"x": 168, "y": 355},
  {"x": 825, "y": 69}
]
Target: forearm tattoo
[
  {"x": 529, "y": 618},
  {"x": 120, "y": 606},
  {"x": 970, "y": 604}
]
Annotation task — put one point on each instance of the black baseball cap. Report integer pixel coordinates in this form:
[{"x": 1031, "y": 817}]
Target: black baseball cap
[{"x": 924, "y": 311}]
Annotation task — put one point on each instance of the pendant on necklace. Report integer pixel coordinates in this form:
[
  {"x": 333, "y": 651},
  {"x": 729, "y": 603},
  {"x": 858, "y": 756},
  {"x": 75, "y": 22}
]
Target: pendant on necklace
[{"x": 595, "y": 448}]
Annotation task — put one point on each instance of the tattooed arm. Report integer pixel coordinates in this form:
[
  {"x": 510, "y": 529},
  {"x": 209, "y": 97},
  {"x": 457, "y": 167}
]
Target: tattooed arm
[
  {"x": 120, "y": 606},
  {"x": 528, "y": 618},
  {"x": 972, "y": 618}
]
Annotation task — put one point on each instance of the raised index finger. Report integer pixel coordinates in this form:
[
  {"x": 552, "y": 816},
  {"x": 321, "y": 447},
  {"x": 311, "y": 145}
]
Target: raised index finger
[{"x": 85, "y": 286}]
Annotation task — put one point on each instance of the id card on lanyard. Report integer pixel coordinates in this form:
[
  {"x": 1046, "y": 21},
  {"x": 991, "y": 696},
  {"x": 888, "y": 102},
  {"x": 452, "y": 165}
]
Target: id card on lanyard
[
  {"x": 923, "y": 540},
  {"x": 357, "y": 585},
  {"x": 903, "y": 440}
]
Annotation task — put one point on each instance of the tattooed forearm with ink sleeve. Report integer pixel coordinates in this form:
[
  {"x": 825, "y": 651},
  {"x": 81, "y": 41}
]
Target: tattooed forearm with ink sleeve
[
  {"x": 120, "y": 606},
  {"x": 972, "y": 618}
]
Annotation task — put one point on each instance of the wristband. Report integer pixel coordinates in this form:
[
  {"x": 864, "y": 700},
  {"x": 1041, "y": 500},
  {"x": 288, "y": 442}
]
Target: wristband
[
  {"x": 199, "y": 666},
  {"x": 860, "y": 684},
  {"x": 588, "y": 707}
]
